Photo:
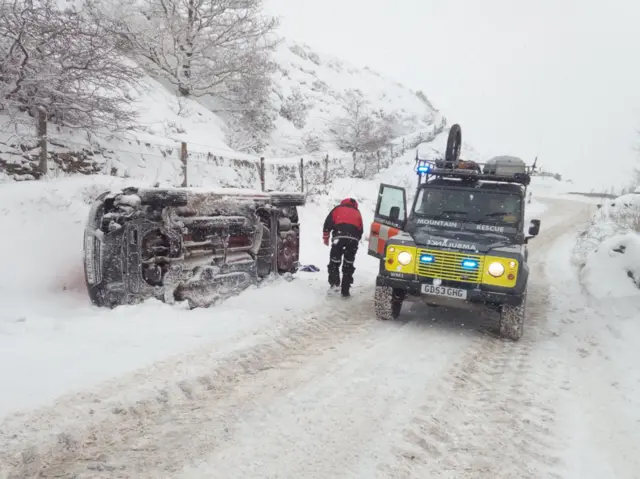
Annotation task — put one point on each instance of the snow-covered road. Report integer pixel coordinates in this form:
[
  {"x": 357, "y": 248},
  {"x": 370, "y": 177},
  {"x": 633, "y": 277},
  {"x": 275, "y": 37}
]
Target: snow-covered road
[{"x": 329, "y": 392}]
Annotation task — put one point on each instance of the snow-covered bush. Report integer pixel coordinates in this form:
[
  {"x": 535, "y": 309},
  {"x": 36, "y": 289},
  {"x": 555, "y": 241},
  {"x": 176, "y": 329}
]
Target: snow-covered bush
[
  {"x": 295, "y": 108},
  {"x": 625, "y": 211},
  {"x": 248, "y": 131},
  {"x": 311, "y": 142},
  {"x": 613, "y": 269},
  {"x": 299, "y": 51},
  {"x": 608, "y": 250},
  {"x": 614, "y": 217}
]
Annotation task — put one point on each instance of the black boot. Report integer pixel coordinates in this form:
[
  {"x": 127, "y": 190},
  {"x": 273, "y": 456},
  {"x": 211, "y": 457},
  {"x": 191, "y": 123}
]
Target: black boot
[
  {"x": 347, "y": 278},
  {"x": 334, "y": 274}
]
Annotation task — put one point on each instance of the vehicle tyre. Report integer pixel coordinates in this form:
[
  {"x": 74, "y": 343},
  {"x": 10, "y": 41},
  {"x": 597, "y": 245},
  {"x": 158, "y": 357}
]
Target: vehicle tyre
[
  {"x": 454, "y": 145},
  {"x": 387, "y": 303},
  {"x": 288, "y": 247},
  {"x": 512, "y": 320}
]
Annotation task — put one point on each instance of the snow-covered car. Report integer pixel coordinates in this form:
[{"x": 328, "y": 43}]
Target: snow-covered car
[{"x": 187, "y": 244}]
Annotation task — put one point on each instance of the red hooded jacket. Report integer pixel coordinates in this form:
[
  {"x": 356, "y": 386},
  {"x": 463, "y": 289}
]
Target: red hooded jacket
[{"x": 344, "y": 221}]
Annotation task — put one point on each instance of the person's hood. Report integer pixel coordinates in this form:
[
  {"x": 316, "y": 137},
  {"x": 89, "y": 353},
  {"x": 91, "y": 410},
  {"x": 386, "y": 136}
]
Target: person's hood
[{"x": 349, "y": 202}]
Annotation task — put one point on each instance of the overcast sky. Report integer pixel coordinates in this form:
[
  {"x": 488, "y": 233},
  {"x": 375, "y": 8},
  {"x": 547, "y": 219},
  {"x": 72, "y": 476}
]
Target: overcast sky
[{"x": 555, "y": 78}]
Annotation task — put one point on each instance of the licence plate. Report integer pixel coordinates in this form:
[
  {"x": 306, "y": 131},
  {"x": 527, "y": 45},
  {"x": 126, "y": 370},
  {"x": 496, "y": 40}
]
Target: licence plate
[{"x": 444, "y": 291}]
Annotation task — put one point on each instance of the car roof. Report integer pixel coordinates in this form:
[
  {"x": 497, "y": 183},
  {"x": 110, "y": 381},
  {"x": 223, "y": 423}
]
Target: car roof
[{"x": 479, "y": 185}]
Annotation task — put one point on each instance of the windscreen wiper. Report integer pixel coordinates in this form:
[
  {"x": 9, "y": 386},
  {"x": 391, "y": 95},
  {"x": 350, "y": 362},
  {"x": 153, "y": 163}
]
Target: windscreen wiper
[{"x": 450, "y": 212}]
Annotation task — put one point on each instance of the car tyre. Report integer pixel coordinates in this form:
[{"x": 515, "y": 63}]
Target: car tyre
[
  {"x": 512, "y": 320},
  {"x": 387, "y": 303}
]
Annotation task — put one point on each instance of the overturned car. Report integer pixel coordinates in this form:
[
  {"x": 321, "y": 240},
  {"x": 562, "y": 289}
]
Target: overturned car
[{"x": 187, "y": 244}]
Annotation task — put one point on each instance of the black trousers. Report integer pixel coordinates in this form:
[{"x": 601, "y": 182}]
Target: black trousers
[{"x": 343, "y": 251}]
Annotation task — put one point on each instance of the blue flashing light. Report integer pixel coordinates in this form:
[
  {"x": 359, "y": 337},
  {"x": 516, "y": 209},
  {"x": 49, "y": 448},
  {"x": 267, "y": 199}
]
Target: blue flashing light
[
  {"x": 423, "y": 166},
  {"x": 427, "y": 258},
  {"x": 470, "y": 264}
]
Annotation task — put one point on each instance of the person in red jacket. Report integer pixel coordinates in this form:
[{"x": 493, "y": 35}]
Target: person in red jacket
[{"x": 344, "y": 224}]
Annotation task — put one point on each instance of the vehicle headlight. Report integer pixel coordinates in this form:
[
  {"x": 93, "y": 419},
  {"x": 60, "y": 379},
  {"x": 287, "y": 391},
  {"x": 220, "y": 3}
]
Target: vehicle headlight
[
  {"x": 404, "y": 258},
  {"x": 496, "y": 269}
]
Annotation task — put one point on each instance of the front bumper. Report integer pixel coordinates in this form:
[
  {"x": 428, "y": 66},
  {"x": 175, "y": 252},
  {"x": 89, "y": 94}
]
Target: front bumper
[{"x": 475, "y": 293}]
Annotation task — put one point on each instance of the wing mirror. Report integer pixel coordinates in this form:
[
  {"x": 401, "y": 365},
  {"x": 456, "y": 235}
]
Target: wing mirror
[
  {"x": 534, "y": 229},
  {"x": 394, "y": 213}
]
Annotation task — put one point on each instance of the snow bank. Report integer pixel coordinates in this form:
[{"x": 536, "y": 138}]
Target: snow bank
[
  {"x": 608, "y": 249},
  {"x": 54, "y": 342},
  {"x": 597, "y": 341},
  {"x": 614, "y": 217},
  {"x": 613, "y": 269},
  {"x": 621, "y": 205}
]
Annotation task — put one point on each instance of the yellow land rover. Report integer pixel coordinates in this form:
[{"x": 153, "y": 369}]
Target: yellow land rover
[{"x": 462, "y": 241}]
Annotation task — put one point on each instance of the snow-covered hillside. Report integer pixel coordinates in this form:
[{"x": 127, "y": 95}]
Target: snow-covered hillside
[
  {"x": 165, "y": 120},
  {"x": 322, "y": 82}
]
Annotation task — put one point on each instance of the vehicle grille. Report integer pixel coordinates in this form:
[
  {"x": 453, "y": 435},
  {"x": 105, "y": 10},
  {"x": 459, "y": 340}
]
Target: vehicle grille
[{"x": 448, "y": 265}]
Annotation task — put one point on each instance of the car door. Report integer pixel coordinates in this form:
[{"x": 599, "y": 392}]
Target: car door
[{"x": 390, "y": 218}]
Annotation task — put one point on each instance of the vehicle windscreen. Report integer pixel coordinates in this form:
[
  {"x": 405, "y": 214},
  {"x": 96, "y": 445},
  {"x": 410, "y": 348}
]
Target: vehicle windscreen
[{"x": 478, "y": 206}]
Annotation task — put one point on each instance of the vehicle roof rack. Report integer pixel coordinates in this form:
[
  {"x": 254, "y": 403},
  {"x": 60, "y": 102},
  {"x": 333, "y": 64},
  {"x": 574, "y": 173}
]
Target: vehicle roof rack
[{"x": 503, "y": 169}]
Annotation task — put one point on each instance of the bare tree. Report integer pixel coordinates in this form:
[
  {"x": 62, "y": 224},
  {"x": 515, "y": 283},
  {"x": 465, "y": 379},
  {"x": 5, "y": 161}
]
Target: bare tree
[
  {"x": 351, "y": 130},
  {"x": 200, "y": 46},
  {"x": 65, "y": 62},
  {"x": 361, "y": 129},
  {"x": 247, "y": 103}
]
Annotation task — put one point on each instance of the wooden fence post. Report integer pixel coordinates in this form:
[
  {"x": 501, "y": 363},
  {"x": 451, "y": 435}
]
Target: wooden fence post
[
  {"x": 262, "y": 172},
  {"x": 353, "y": 154},
  {"x": 301, "y": 175},
  {"x": 183, "y": 158},
  {"x": 43, "y": 166},
  {"x": 326, "y": 169}
]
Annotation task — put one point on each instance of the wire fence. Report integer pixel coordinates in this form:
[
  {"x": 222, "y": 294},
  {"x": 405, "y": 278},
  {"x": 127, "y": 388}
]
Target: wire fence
[{"x": 60, "y": 153}]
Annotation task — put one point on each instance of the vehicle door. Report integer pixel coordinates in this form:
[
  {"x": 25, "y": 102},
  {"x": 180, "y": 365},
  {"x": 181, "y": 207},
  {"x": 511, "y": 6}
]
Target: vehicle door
[{"x": 390, "y": 218}]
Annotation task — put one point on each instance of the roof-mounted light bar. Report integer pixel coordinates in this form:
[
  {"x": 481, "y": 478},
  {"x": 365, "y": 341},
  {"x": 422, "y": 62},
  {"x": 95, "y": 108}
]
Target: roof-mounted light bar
[{"x": 424, "y": 166}]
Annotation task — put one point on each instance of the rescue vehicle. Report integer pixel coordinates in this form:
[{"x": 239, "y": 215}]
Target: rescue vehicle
[{"x": 462, "y": 242}]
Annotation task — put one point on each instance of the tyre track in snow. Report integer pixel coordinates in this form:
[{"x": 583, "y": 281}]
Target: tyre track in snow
[
  {"x": 104, "y": 434},
  {"x": 493, "y": 414}
]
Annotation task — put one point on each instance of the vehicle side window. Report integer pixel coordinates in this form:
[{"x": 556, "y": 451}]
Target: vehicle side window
[{"x": 391, "y": 197}]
